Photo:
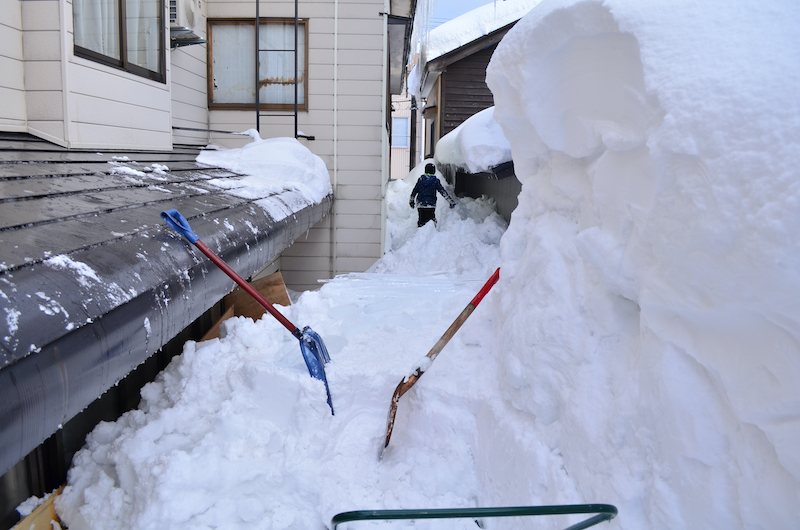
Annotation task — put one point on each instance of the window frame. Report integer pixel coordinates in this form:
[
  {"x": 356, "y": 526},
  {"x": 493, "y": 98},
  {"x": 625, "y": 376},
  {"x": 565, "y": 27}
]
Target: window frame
[
  {"x": 212, "y": 105},
  {"x": 122, "y": 63},
  {"x": 407, "y": 135}
]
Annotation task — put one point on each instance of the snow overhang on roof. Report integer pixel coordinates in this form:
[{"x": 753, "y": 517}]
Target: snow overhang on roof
[
  {"x": 92, "y": 282},
  {"x": 438, "y": 64},
  {"x": 464, "y": 35}
]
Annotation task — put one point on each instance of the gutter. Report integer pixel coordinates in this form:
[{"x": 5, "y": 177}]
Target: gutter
[{"x": 75, "y": 335}]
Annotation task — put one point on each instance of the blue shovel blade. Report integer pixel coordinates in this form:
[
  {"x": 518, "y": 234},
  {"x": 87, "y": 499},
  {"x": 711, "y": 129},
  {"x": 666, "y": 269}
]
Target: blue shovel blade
[
  {"x": 316, "y": 355},
  {"x": 316, "y": 344}
]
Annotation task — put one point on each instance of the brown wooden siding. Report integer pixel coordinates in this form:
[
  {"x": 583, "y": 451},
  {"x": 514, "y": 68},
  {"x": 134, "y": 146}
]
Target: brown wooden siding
[{"x": 464, "y": 90}]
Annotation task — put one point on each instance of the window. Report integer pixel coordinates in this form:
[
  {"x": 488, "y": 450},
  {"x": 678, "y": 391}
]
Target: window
[
  {"x": 400, "y": 133},
  {"x": 232, "y": 64},
  {"x": 134, "y": 42}
]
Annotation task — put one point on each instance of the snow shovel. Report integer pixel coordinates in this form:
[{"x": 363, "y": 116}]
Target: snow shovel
[
  {"x": 313, "y": 349},
  {"x": 409, "y": 380}
]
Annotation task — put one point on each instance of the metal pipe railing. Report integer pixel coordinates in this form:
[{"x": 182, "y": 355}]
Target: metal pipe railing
[{"x": 605, "y": 512}]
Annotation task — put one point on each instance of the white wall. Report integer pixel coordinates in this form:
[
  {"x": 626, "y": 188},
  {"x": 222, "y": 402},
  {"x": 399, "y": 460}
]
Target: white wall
[
  {"x": 69, "y": 100},
  {"x": 190, "y": 88},
  {"x": 44, "y": 43},
  {"x": 107, "y": 108},
  {"x": 12, "y": 80},
  {"x": 189, "y": 93},
  {"x": 346, "y": 117}
]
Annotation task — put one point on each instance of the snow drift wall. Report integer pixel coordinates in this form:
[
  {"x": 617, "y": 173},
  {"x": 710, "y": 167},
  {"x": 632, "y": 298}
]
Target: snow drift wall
[{"x": 657, "y": 248}]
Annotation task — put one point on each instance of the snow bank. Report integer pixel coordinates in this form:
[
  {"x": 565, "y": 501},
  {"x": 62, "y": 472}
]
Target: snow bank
[
  {"x": 272, "y": 166},
  {"x": 655, "y": 256},
  {"x": 641, "y": 349},
  {"x": 476, "y": 145}
]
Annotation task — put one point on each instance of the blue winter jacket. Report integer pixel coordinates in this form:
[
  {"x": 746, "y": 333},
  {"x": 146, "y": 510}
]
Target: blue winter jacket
[{"x": 425, "y": 191}]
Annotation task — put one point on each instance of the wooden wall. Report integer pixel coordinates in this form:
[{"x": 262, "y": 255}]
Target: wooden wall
[{"x": 464, "y": 90}]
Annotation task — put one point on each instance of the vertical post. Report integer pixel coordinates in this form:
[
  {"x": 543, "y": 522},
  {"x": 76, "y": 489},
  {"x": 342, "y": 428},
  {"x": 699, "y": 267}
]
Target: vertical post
[
  {"x": 258, "y": 67},
  {"x": 295, "y": 66},
  {"x": 412, "y": 133}
]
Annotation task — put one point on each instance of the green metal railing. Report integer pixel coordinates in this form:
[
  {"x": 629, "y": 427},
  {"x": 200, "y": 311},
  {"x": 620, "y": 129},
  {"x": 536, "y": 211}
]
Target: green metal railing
[{"x": 605, "y": 512}]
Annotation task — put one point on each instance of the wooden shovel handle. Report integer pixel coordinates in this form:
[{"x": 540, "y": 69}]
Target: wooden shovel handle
[{"x": 407, "y": 382}]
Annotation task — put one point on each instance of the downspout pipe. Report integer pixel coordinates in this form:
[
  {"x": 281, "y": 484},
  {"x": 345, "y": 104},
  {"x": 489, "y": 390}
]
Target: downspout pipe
[
  {"x": 335, "y": 183},
  {"x": 412, "y": 144}
]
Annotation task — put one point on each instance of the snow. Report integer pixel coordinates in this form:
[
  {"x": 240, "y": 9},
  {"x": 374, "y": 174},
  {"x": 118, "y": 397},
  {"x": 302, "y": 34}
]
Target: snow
[
  {"x": 272, "y": 166},
  {"x": 476, "y": 145},
  {"x": 473, "y": 25},
  {"x": 459, "y": 31},
  {"x": 88, "y": 278},
  {"x": 654, "y": 254},
  {"x": 642, "y": 347},
  {"x": 241, "y": 417}
]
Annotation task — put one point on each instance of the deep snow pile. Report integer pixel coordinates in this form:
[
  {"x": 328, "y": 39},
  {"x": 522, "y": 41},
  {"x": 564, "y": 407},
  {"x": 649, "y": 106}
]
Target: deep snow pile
[
  {"x": 642, "y": 347},
  {"x": 235, "y": 434},
  {"x": 655, "y": 255}
]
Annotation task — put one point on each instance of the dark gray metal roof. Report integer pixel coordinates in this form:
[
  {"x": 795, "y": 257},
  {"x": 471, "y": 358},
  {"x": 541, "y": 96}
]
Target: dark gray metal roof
[{"x": 92, "y": 282}]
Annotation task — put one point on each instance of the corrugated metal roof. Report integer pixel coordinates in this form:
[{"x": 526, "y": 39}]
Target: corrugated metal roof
[{"x": 92, "y": 282}]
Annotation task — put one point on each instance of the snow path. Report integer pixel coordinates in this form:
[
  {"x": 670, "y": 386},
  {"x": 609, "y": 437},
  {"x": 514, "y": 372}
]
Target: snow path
[{"x": 235, "y": 434}]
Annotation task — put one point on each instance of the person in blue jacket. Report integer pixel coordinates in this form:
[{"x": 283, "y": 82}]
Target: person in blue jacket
[{"x": 425, "y": 194}]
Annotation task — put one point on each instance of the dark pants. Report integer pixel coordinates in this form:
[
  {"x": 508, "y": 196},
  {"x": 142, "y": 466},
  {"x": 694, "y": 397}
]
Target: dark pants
[{"x": 425, "y": 215}]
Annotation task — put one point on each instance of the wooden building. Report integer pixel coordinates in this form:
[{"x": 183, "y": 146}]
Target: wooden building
[{"x": 454, "y": 88}]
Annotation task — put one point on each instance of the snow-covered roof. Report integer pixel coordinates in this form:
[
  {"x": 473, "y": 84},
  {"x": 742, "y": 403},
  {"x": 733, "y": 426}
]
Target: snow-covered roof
[
  {"x": 92, "y": 282},
  {"x": 473, "y": 25},
  {"x": 462, "y": 30},
  {"x": 476, "y": 146}
]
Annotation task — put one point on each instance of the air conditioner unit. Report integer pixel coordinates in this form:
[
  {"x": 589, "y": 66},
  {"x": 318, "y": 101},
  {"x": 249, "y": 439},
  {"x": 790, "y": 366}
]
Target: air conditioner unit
[
  {"x": 185, "y": 16},
  {"x": 184, "y": 13}
]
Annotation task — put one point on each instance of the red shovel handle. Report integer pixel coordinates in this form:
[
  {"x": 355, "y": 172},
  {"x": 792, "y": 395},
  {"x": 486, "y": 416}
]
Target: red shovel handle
[
  {"x": 248, "y": 288},
  {"x": 407, "y": 382},
  {"x": 486, "y": 288}
]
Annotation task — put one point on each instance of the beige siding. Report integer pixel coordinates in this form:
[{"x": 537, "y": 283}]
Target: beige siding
[
  {"x": 108, "y": 108},
  {"x": 190, "y": 89},
  {"x": 12, "y": 81},
  {"x": 73, "y": 101},
  {"x": 355, "y": 150},
  {"x": 190, "y": 93},
  {"x": 44, "y": 99}
]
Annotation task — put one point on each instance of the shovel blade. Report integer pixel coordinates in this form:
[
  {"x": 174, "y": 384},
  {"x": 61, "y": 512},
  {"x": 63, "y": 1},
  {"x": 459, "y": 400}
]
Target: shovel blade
[
  {"x": 315, "y": 341},
  {"x": 402, "y": 387},
  {"x": 316, "y": 355}
]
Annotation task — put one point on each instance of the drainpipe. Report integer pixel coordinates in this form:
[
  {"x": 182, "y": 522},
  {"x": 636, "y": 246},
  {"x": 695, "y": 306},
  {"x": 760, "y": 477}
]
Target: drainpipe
[
  {"x": 258, "y": 67},
  {"x": 412, "y": 142},
  {"x": 335, "y": 183},
  {"x": 384, "y": 118}
]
